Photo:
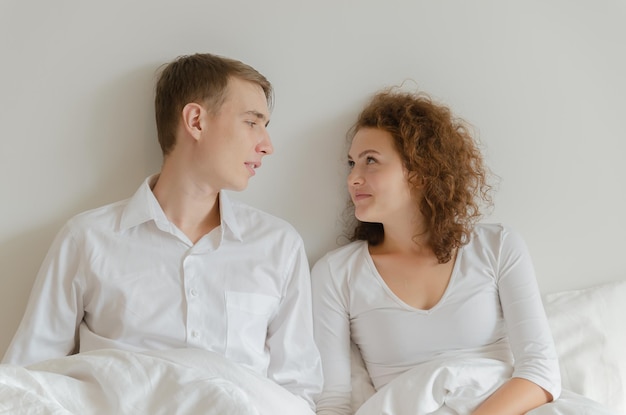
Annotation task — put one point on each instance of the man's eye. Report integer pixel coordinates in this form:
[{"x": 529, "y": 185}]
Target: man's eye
[{"x": 251, "y": 123}]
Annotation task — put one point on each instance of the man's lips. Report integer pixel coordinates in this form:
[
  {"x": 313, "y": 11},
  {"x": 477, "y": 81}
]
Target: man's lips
[{"x": 252, "y": 166}]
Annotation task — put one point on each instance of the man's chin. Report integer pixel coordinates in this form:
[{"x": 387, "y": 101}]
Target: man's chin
[{"x": 238, "y": 187}]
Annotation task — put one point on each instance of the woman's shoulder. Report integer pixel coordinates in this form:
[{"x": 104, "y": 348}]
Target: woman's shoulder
[
  {"x": 344, "y": 255},
  {"x": 497, "y": 231},
  {"x": 495, "y": 236}
]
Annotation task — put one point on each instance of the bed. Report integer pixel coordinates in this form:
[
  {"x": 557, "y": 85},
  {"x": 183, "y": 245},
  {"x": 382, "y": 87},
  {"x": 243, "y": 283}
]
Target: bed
[{"x": 587, "y": 325}]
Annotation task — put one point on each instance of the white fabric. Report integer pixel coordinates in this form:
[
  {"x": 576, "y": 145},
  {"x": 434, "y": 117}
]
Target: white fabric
[
  {"x": 457, "y": 387},
  {"x": 124, "y": 277},
  {"x": 182, "y": 382},
  {"x": 360, "y": 381},
  {"x": 589, "y": 330},
  {"x": 492, "y": 301}
]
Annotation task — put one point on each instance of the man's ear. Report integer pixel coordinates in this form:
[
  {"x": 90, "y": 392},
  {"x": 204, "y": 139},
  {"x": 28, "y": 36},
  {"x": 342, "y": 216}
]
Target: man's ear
[{"x": 191, "y": 120}]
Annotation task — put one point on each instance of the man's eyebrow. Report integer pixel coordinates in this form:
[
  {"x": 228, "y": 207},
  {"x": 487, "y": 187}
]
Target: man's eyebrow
[{"x": 258, "y": 115}]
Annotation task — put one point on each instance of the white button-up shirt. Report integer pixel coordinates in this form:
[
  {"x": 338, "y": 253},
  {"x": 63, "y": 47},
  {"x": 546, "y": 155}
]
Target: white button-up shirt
[{"x": 123, "y": 276}]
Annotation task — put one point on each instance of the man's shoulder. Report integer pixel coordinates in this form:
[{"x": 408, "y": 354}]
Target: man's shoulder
[
  {"x": 106, "y": 215},
  {"x": 243, "y": 210},
  {"x": 254, "y": 219}
]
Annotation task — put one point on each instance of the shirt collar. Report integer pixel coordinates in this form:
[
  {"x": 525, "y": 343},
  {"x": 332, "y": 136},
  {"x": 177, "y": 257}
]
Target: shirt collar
[
  {"x": 228, "y": 217},
  {"x": 143, "y": 207}
]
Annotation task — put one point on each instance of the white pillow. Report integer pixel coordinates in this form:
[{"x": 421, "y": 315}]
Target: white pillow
[{"x": 589, "y": 330}]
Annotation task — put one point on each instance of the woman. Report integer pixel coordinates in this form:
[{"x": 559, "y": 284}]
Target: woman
[{"x": 421, "y": 284}]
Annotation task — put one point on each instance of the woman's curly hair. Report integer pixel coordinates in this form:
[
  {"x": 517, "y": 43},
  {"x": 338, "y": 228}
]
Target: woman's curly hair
[{"x": 441, "y": 156}]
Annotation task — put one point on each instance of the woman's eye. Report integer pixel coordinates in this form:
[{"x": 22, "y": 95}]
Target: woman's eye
[
  {"x": 370, "y": 160},
  {"x": 350, "y": 163}
]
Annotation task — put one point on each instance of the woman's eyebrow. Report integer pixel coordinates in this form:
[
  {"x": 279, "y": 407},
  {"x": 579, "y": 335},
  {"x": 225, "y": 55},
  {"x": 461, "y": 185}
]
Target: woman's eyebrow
[{"x": 364, "y": 153}]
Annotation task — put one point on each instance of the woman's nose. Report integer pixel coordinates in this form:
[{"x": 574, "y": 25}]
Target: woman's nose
[{"x": 354, "y": 177}]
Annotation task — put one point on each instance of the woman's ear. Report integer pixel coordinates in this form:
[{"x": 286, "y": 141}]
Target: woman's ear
[
  {"x": 417, "y": 180},
  {"x": 191, "y": 119}
]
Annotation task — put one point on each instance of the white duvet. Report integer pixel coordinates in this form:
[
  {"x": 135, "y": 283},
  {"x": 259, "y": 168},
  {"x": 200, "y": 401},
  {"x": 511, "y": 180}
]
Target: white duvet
[
  {"x": 183, "y": 381},
  {"x": 456, "y": 387}
]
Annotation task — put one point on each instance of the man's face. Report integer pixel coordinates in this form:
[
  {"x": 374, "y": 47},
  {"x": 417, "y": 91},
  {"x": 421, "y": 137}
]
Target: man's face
[{"x": 234, "y": 139}]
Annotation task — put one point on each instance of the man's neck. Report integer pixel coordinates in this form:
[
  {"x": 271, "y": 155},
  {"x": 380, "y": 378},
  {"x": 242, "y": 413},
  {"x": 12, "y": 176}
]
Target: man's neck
[{"x": 189, "y": 204}]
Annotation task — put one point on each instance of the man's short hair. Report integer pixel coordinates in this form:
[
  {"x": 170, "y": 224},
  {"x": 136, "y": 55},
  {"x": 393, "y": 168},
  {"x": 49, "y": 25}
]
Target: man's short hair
[{"x": 201, "y": 78}]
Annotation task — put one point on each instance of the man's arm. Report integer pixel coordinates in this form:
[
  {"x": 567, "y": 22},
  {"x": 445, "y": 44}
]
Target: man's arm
[
  {"x": 54, "y": 310},
  {"x": 294, "y": 359}
]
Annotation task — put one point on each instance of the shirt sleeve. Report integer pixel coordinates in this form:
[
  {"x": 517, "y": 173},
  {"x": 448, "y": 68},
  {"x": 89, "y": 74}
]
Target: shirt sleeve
[
  {"x": 49, "y": 326},
  {"x": 529, "y": 332},
  {"x": 332, "y": 334},
  {"x": 294, "y": 358}
]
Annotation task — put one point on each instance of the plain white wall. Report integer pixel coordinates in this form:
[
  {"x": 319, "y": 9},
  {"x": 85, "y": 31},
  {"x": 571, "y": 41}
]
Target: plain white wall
[{"x": 542, "y": 82}]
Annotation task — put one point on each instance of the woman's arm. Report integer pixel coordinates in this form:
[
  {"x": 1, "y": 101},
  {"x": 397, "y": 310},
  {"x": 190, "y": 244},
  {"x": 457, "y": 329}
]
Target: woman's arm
[
  {"x": 331, "y": 323},
  {"x": 536, "y": 376},
  {"x": 516, "y": 397}
]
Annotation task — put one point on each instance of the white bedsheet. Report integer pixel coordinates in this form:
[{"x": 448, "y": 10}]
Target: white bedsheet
[
  {"x": 183, "y": 381},
  {"x": 456, "y": 388}
]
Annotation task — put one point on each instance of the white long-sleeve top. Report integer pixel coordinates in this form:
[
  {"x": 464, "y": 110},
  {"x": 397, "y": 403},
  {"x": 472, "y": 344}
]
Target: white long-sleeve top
[
  {"x": 122, "y": 276},
  {"x": 491, "y": 308}
]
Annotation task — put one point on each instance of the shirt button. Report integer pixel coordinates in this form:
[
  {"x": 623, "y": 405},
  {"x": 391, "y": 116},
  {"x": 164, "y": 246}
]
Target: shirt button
[
  {"x": 195, "y": 334},
  {"x": 193, "y": 292}
]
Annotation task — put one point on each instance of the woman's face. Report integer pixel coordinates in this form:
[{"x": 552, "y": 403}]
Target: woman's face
[{"x": 377, "y": 181}]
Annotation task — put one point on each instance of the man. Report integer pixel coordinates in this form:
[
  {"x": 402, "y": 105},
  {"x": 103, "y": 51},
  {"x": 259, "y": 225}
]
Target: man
[{"x": 179, "y": 264}]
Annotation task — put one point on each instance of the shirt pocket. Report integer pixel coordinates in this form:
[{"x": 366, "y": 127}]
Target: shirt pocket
[{"x": 248, "y": 316}]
